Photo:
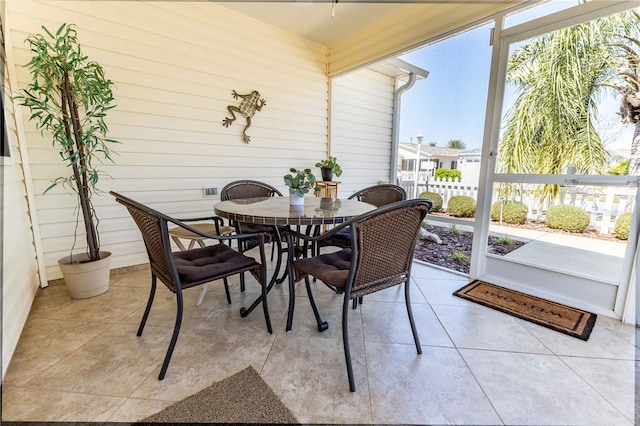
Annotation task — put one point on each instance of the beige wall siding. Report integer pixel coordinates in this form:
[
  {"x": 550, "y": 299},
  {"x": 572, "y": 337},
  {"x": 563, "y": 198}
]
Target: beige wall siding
[
  {"x": 20, "y": 278},
  {"x": 408, "y": 29},
  {"x": 174, "y": 66},
  {"x": 361, "y": 119}
]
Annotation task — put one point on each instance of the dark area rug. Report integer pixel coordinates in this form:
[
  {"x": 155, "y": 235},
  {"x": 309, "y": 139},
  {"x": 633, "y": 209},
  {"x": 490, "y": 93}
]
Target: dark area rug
[
  {"x": 241, "y": 398},
  {"x": 565, "y": 319}
]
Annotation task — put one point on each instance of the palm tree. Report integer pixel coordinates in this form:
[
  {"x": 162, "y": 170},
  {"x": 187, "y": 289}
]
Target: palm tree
[
  {"x": 559, "y": 77},
  {"x": 627, "y": 83},
  {"x": 456, "y": 144}
]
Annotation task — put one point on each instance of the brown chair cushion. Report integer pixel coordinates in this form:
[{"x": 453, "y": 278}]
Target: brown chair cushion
[
  {"x": 211, "y": 261},
  {"x": 331, "y": 268}
]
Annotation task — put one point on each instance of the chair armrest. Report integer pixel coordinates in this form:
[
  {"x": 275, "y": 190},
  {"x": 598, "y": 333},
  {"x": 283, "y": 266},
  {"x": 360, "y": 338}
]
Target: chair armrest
[
  {"x": 217, "y": 221},
  {"x": 193, "y": 219}
]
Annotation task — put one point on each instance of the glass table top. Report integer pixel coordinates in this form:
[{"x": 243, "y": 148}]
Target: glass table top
[{"x": 278, "y": 211}]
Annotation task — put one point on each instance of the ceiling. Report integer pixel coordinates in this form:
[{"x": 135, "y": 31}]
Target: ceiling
[{"x": 313, "y": 20}]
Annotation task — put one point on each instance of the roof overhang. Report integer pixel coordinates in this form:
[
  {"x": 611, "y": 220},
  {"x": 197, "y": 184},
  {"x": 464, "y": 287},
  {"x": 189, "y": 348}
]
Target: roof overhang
[{"x": 398, "y": 69}]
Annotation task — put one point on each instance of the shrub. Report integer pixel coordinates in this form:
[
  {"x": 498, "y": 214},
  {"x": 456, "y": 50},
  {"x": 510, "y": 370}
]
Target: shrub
[
  {"x": 435, "y": 198},
  {"x": 568, "y": 218},
  {"x": 623, "y": 224},
  {"x": 461, "y": 206},
  {"x": 452, "y": 174},
  {"x": 512, "y": 211}
]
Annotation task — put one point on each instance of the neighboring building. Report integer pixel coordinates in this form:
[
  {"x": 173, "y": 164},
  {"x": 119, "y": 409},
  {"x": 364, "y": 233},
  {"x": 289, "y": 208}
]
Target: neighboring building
[
  {"x": 432, "y": 158},
  {"x": 437, "y": 157},
  {"x": 469, "y": 165}
]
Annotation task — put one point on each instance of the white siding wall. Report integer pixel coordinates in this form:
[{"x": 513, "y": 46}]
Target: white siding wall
[
  {"x": 174, "y": 66},
  {"x": 20, "y": 281},
  {"x": 361, "y": 119}
]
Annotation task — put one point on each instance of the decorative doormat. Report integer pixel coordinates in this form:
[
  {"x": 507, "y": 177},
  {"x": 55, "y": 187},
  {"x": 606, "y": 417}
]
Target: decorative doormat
[{"x": 562, "y": 318}]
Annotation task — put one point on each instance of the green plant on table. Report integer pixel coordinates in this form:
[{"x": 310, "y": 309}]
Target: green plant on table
[
  {"x": 330, "y": 163},
  {"x": 300, "y": 181},
  {"x": 69, "y": 97}
]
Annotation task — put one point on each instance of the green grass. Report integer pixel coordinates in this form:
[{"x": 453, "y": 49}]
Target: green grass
[
  {"x": 505, "y": 240},
  {"x": 452, "y": 229},
  {"x": 460, "y": 256}
]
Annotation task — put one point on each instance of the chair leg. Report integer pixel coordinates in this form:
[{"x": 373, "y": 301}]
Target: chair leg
[
  {"x": 407, "y": 300},
  {"x": 149, "y": 303},
  {"x": 345, "y": 342},
  {"x": 226, "y": 290},
  {"x": 356, "y": 301},
  {"x": 241, "y": 247},
  {"x": 322, "y": 325},
  {"x": 202, "y": 293},
  {"x": 273, "y": 249},
  {"x": 174, "y": 337}
]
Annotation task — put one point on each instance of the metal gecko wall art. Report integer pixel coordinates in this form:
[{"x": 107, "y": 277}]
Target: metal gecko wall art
[{"x": 248, "y": 106}]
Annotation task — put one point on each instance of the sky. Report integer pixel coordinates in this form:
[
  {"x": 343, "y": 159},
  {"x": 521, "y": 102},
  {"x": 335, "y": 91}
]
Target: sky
[{"x": 451, "y": 102}]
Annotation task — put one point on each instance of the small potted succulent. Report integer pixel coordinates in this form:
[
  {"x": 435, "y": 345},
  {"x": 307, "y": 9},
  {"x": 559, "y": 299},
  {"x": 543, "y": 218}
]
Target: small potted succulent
[
  {"x": 328, "y": 168},
  {"x": 299, "y": 183}
]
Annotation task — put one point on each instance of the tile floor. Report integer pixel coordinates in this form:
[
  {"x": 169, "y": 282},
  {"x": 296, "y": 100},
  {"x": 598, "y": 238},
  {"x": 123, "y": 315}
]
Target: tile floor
[{"x": 80, "y": 360}]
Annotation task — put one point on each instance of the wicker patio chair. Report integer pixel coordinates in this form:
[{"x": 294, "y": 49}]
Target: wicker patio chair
[
  {"x": 381, "y": 255},
  {"x": 378, "y": 195},
  {"x": 189, "y": 268},
  {"x": 253, "y": 189},
  {"x": 215, "y": 227}
]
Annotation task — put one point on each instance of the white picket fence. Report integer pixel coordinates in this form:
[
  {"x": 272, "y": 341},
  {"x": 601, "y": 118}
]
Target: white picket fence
[{"x": 604, "y": 204}]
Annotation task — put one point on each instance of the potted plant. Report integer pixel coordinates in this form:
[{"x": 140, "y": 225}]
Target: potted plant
[
  {"x": 328, "y": 168},
  {"x": 299, "y": 183},
  {"x": 69, "y": 97}
]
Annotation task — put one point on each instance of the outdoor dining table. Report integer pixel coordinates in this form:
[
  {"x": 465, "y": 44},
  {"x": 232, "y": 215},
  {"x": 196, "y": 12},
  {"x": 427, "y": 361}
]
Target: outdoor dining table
[{"x": 277, "y": 211}]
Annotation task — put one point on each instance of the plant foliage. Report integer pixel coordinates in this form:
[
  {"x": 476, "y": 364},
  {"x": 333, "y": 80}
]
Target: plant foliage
[
  {"x": 300, "y": 181},
  {"x": 461, "y": 206},
  {"x": 622, "y": 168},
  {"x": 568, "y": 218},
  {"x": 456, "y": 144},
  {"x": 452, "y": 174},
  {"x": 330, "y": 163},
  {"x": 623, "y": 225},
  {"x": 435, "y": 198},
  {"x": 509, "y": 211},
  {"x": 558, "y": 78},
  {"x": 69, "y": 97}
]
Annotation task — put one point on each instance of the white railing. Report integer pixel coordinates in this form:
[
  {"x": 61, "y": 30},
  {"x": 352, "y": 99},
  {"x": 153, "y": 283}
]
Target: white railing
[{"x": 604, "y": 204}]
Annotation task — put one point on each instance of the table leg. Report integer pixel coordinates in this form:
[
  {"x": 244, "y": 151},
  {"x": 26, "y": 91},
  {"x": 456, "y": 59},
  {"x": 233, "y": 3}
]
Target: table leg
[
  {"x": 292, "y": 285},
  {"x": 274, "y": 278}
]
